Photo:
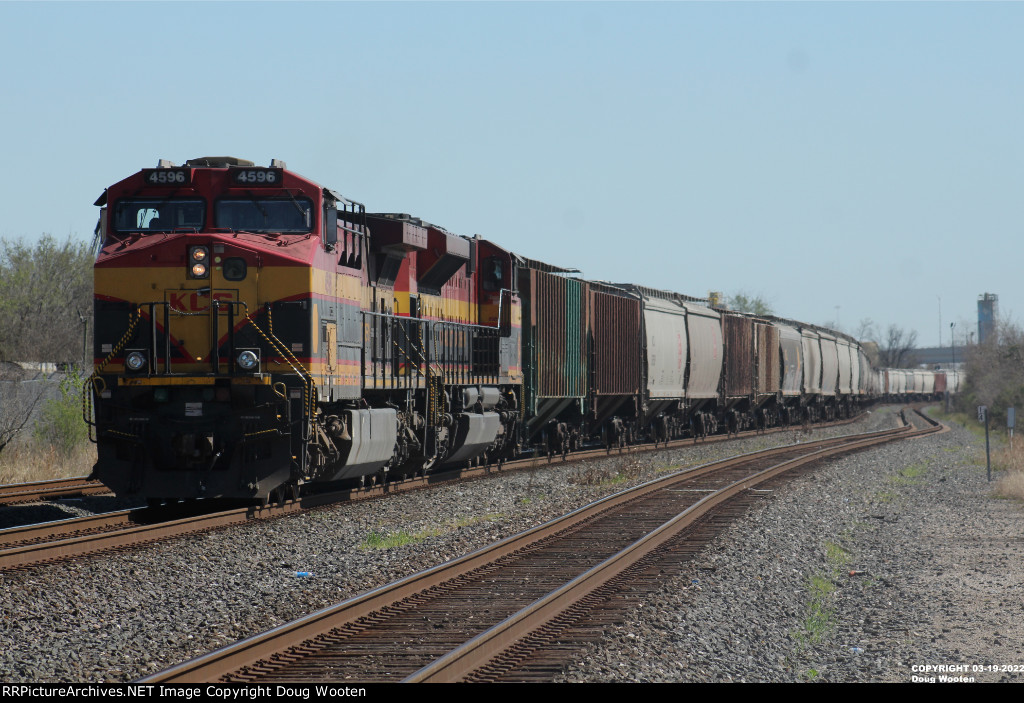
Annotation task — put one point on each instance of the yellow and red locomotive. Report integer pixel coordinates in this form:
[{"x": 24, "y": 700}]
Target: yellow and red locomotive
[{"x": 252, "y": 335}]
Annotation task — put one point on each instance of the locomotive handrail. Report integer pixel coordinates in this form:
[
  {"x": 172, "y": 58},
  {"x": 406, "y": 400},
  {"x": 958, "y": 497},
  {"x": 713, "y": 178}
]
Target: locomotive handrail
[
  {"x": 472, "y": 325},
  {"x": 90, "y": 387},
  {"x": 309, "y": 391}
]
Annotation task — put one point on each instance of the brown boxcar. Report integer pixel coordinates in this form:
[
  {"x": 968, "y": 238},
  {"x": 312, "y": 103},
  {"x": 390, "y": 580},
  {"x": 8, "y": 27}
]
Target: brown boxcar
[
  {"x": 766, "y": 338},
  {"x": 738, "y": 379},
  {"x": 614, "y": 317}
]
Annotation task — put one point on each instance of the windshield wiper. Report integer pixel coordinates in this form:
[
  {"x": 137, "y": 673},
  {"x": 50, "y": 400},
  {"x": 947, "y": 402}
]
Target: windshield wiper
[{"x": 301, "y": 210}]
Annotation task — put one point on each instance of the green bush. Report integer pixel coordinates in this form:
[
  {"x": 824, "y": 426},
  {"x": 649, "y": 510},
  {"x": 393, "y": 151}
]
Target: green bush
[
  {"x": 995, "y": 375},
  {"x": 60, "y": 424}
]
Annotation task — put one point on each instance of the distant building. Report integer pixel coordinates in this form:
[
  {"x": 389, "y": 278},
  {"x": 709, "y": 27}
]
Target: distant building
[{"x": 988, "y": 311}]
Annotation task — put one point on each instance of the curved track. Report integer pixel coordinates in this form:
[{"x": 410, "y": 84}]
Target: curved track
[
  {"x": 31, "y": 545},
  {"x": 487, "y": 615}
]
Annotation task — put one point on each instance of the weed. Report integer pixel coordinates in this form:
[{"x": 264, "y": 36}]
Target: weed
[
  {"x": 31, "y": 462},
  {"x": 908, "y": 476},
  {"x": 588, "y": 474},
  {"x": 969, "y": 422},
  {"x": 1010, "y": 461},
  {"x": 389, "y": 540},
  {"x": 836, "y": 555},
  {"x": 914, "y": 470},
  {"x": 819, "y": 618},
  {"x": 377, "y": 540},
  {"x": 820, "y": 587},
  {"x": 61, "y": 425}
]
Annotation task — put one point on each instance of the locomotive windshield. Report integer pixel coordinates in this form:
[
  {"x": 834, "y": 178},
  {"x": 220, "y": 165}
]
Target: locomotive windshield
[
  {"x": 266, "y": 214},
  {"x": 158, "y": 214}
]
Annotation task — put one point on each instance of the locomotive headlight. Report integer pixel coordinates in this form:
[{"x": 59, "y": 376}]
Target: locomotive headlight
[
  {"x": 248, "y": 360},
  {"x": 135, "y": 361},
  {"x": 198, "y": 261}
]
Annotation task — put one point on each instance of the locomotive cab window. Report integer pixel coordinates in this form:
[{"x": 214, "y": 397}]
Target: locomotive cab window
[
  {"x": 265, "y": 214},
  {"x": 158, "y": 215},
  {"x": 494, "y": 273}
]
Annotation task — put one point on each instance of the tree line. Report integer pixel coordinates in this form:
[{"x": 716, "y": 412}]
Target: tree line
[
  {"x": 45, "y": 300},
  {"x": 46, "y": 316},
  {"x": 994, "y": 372}
]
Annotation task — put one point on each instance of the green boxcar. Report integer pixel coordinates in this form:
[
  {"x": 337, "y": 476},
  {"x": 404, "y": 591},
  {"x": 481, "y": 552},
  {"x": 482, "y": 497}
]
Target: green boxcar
[{"x": 554, "y": 342}]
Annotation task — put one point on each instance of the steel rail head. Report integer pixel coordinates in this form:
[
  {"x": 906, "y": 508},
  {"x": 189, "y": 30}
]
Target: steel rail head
[
  {"x": 250, "y": 651},
  {"x": 481, "y": 650}
]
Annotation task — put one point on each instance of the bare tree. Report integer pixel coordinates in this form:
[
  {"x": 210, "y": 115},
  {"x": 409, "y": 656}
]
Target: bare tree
[
  {"x": 896, "y": 350},
  {"x": 18, "y": 403},
  {"x": 866, "y": 330}
]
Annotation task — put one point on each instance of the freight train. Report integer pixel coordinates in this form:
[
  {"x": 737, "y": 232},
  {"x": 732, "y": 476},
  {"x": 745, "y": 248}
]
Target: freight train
[{"x": 256, "y": 332}]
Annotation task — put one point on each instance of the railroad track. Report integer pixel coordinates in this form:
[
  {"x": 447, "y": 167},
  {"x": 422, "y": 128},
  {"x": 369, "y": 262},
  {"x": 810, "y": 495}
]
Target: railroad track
[
  {"x": 14, "y": 493},
  {"x": 32, "y": 545},
  {"x": 501, "y": 612}
]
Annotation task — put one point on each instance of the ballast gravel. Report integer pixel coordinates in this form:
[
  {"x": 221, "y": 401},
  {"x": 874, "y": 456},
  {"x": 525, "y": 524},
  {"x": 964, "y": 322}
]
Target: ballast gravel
[
  {"x": 933, "y": 588},
  {"x": 894, "y": 565}
]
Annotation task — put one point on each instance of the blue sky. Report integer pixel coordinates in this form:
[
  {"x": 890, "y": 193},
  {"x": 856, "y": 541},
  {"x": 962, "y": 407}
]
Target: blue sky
[{"x": 839, "y": 159}]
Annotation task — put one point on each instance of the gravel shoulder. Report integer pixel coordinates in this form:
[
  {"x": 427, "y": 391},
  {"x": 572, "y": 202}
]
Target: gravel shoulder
[
  {"x": 119, "y": 617},
  {"x": 938, "y": 582}
]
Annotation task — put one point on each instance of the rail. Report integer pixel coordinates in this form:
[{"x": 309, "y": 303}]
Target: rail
[{"x": 400, "y": 610}]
